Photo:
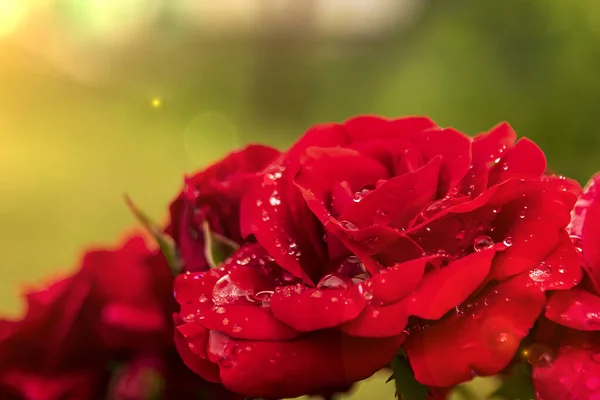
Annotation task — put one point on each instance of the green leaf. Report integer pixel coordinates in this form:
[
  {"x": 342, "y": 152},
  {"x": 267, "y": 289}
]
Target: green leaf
[
  {"x": 217, "y": 248},
  {"x": 518, "y": 384},
  {"x": 407, "y": 387},
  {"x": 165, "y": 243}
]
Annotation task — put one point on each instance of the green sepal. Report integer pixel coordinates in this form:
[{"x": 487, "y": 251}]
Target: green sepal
[
  {"x": 165, "y": 243},
  {"x": 407, "y": 387},
  {"x": 217, "y": 248}
]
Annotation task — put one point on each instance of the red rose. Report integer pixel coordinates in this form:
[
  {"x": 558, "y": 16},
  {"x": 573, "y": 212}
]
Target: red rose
[
  {"x": 359, "y": 227},
  {"x": 115, "y": 309},
  {"x": 573, "y": 346},
  {"x": 214, "y": 195}
]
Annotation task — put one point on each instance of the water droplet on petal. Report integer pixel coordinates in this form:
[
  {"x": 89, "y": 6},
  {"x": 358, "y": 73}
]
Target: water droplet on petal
[
  {"x": 189, "y": 318},
  {"x": 483, "y": 243},
  {"x": 375, "y": 313},
  {"x": 265, "y": 216},
  {"x": 220, "y": 310},
  {"x": 348, "y": 225},
  {"x": 225, "y": 321},
  {"x": 317, "y": 294},
  {"x": 264, "y": 297},
  {"x": 259, "y": 203},
  {"x": 508, "y": 241},
  {"x": 237, "y": 328},
  {"x": 299, "y": 288},
  {"x": 274, "y": 200},
  {"x": 225, "y": 291},
  {"x": 577, "y": 242},
  {"x": 541, "y": 273},
  {"x": 505, "y": 166},
  {"x": 539, "y": 355},
  {"x": 203, "y": 298},
  {"x": 334, "y": 281}
]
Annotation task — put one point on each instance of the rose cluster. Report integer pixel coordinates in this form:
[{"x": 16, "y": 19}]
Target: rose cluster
[
  {"x": 301, "y": 272},
  {"x": 105, "y": 332}
]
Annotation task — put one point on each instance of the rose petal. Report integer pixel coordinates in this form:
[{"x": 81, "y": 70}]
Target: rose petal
[
  {"x": 560, "y": 270},
  {"x": 445, "y": 288},
  {"x": 380, "y": 206},
  {"x": 485, "y": 149},
  {"x": 369, "y": 127},
  {"x": 481, "y": 339},
  {"x": 575, "y": 309},
  {"x": 524, "y": 160},
  {"x": 534, "y": 235},
  {"x": 203, "y": 367},
  {"x": 191, "y": 286},
  {"x": 250, "y": 322},
  {"x": 394, "y": 283},
  {"x": 323, "y": 167},
  {"x": 454, "y": 148},
  {"x": 573, "y": 374},
  {"x": 314, "y": 309},
  {"x": 288, "y": 369},
  {"x": 378, "y": 321},
  {"x": 265, "y": 213},
  {"x": 585, "y": 227}
]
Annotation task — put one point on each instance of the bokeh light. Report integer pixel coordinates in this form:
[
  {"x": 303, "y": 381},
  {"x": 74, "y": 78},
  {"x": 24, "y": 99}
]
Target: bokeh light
[
  {"x": 12, "y": 14},
  {"x": 111, "y": 21}
]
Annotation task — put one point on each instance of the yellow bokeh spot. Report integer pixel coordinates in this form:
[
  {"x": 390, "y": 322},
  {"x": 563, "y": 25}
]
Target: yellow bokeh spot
[
  {"x": 12, "y": 15},
  {"x": 156, "y": 102}
]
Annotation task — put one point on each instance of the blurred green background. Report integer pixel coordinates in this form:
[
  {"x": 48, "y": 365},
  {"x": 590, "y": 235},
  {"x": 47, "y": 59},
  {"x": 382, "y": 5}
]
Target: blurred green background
[{"x": 103, "y": 97}]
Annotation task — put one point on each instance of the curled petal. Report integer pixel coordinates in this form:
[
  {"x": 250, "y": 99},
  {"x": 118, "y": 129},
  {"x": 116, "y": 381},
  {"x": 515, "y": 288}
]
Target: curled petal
[
  {"x": 378, "y": 321},
  {"x": 575, "y": 309},
  {"x": 246, "y": 322},
  {"x": 288, "y": 369},
  {"x": 445, "y": 288},
  {"x": 314, "y": 309},
  {"x": 201, "y": 366},
  {"x": 524, "y": 160},
  {"x": 481, "y": 338},
  {"x": 574, "y": 373}
]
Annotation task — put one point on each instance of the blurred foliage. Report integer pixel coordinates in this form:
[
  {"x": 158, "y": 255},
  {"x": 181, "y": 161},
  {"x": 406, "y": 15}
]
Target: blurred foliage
[{"x": 176, "y": 100}]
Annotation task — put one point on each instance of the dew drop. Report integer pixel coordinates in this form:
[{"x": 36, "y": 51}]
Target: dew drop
[
  {"x": 225, "y": 291},
  {"x": 220, "y": 310},
  {"x": 367, "y": 295},
  {"x": 577, "y": 242},
  {"x": 265, "y": 216},
  {"x": 317, "y": 294},
  {"x": 299, "y": 288},
  {"x": 225, "y": 321},
  {"x": 264, "y": 297},
  {"x": 541, "y": 273},
  {"x": 189, "y": 318},
  {"x": 237, "y": 328},
  {"x": 203, "y": 298},
  {"x": 505, "y": 166},
  {"x": 274, "y": 200},
  {"x": 348, "y": 225},
  {"x": 334, "y": 281},
  {"x": 483, "y": 243},
  {"x": 259, "y": 203},
  {"x": 508, "y": 241},
  {"x": 334, "y": 299},
  {"x": 375, "y": 314}
]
